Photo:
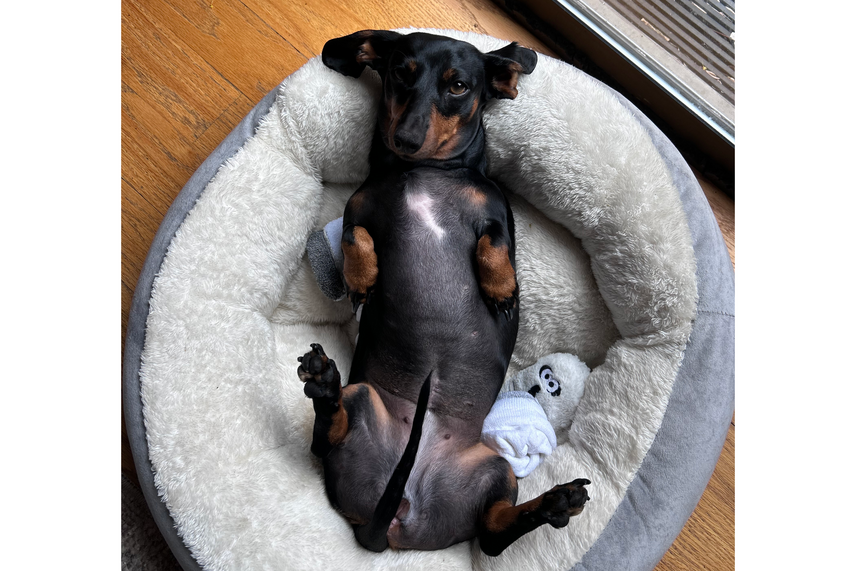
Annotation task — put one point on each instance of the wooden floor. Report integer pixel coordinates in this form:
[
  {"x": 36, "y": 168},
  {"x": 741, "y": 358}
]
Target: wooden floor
[{"x": 192, "y": 69}]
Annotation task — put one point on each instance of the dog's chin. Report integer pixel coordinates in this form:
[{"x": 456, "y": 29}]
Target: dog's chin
[
  {"x": 419, "y": 155},
  {"x": 409, "y": 158},
  {"x": 422, "y": 154}
]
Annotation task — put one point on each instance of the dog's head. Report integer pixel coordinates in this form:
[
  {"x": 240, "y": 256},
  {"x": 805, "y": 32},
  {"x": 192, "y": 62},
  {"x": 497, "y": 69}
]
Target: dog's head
[{"x": 433, "y": 87}]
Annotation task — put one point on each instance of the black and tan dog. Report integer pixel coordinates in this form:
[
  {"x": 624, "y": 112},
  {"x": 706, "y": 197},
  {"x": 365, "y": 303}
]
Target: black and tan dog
[{"x": 429, "y": 252}]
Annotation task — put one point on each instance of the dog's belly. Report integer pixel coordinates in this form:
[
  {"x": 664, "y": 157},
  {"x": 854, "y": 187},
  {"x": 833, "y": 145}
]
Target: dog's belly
[
  {"x": 435, "y": 322},
  {"x": 428, "y": 313},
  {"x": 441, "y": 500}
]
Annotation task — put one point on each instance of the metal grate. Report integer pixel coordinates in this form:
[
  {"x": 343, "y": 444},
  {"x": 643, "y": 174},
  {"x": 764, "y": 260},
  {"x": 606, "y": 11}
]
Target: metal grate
[{"x": 699, "y": 33}]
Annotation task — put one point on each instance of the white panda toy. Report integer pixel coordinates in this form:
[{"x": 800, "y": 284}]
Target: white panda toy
[{"x": 533, "y": 407}]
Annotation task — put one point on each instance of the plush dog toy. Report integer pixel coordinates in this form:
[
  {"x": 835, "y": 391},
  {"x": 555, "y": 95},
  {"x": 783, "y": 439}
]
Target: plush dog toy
[
  {"x": 535, "y": 407},
  {"x": 534, "y": 410}
]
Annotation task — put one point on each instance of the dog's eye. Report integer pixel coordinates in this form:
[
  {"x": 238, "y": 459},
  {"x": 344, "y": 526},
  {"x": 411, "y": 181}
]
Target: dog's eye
[
  {"x": 458, "y": 88},
  {"x": 550, "y": 382}
]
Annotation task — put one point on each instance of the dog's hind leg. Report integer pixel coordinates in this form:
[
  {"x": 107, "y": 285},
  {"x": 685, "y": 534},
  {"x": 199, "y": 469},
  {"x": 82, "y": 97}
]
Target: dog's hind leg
[
  {"x": 323, "y": 385},
  {"x": 502, "y": 522}
]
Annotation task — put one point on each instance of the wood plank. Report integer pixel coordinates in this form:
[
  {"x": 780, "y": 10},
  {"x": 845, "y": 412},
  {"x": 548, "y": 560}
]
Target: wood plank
[
  {"x": 309, "y": 26},
  {"x": 186, "y": 89},
  {"x": 723, "y": 209},
  {"x": 192, "y": 70},
  {"x": 245, "y": 50}
]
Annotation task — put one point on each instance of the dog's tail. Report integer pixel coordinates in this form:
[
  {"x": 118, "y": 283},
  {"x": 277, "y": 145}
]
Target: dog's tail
[{"x": 372, "y": 535}]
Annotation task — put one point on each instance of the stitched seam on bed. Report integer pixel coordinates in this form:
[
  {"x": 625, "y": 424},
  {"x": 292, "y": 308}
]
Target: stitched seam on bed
[{"x": 725, "y": 313}]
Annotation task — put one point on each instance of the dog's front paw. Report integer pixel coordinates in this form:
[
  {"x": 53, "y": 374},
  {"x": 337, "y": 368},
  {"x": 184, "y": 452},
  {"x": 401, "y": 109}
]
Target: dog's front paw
[
  {"x": 507, "y": 306},
  {"x": 360, "y": 269},
  {"x": 359, "y": 298},
  {"x": 563, "y": 502},
  {"x": 319, "y": 373},
  {"x": 497, "y": 276}
]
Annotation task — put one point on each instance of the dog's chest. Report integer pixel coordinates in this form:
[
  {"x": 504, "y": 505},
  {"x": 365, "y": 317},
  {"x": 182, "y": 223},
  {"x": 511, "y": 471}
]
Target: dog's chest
[{"x": 423, "y": 212}]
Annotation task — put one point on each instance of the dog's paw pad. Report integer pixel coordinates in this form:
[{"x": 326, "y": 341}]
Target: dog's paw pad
[
  {"x": 319, "y": 373},
  {"x": 563, "y": 502}
]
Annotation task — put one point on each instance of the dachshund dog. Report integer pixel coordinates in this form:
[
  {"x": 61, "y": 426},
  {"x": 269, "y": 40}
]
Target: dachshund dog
[{"x": 429, "y": 250}]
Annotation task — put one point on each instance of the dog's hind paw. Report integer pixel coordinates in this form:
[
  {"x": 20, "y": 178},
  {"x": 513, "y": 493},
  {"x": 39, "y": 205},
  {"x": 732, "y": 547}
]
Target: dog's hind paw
[
  {"x": 563, "y": 502},
  {"x": 319, "y": 373}
]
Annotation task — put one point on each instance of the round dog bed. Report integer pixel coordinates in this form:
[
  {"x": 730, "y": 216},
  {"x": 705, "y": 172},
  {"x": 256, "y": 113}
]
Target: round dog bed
[{"x": 620, "y": 262}]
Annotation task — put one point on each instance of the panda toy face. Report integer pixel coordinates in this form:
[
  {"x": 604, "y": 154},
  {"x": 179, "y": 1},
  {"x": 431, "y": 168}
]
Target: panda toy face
[
  {"x": 548, "y": 381},
  {"x": 557, "y": 382}
]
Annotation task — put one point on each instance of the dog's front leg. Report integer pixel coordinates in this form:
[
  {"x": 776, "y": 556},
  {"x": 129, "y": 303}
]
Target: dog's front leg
[
  {"x": 360, "y": 269},
  {"x": 495, "y": 259}
]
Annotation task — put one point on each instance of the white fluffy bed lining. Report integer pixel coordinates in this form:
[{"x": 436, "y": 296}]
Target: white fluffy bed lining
[{"x": 606, "y": 271}]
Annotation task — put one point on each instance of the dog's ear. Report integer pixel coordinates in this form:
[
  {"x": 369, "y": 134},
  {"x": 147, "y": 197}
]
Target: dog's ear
[
  {"x": 503, "y": 66},
  {"x": 349, "y": 55}
]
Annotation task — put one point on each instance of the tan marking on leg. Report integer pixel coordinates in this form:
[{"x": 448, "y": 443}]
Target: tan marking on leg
[
  {"x": 502, "y": 515},
  {"x": 471, "y": 458},
  {"x": 360, "y": 261},
  {"x": 339, "y": 428},
  {"x": 381, "y": 412},
  {"x": 474, "y": 456},
  {"x": 496, "y": 273},
  {"x": 377, "y": 403}
]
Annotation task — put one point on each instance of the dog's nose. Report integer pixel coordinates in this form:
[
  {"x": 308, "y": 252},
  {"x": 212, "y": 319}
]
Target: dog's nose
[{"x": 404, "y": 144}]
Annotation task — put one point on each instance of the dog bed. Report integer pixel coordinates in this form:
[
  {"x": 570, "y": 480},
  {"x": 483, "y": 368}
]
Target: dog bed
[{"x": 620, "y": 261}]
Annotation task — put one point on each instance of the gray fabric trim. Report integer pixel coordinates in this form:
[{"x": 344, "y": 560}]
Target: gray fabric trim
[
  {"x": 139, "y": 313},
  {"x": 684, "y": 453}
]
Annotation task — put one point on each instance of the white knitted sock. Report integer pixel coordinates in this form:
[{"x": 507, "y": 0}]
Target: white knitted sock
[{"x": 517, "y": 428}]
